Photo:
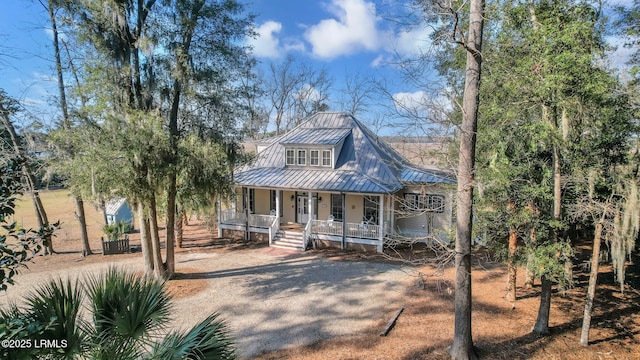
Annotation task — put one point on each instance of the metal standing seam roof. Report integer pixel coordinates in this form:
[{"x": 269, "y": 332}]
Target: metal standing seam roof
[
  {"x": 316, "y": 136},
  {"x": 112, "y": 206},
  {"x": 365, "y": 163}
]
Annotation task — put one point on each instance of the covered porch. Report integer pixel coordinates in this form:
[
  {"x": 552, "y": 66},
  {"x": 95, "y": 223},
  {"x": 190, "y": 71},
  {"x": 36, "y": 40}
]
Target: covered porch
[{"x": 341, "y": 220}]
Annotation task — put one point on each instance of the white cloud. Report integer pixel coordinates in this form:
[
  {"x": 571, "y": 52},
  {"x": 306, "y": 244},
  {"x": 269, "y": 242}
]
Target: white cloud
[
  {"x": 621, "y": 55},
  {"x": 268, "y": 44},
  {"x": 352, "y": 29},
  {"x": 412, "y": 42},
  {"x": 410, "y": 100}
]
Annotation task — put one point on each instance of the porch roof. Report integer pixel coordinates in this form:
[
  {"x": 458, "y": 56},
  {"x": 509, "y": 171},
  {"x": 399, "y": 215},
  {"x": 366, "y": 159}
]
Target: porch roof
[
  {"x": 411, "y": 175},
  {"x": 316, "y": 180}
]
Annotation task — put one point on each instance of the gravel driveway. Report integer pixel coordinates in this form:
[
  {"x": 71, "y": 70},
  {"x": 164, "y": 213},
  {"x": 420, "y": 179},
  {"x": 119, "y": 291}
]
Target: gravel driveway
[{"x": 271, "y": 299}]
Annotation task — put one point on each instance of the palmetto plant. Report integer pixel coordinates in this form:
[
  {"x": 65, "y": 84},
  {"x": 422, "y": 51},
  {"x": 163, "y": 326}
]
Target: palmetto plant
[{"x": 128, "y": 315}]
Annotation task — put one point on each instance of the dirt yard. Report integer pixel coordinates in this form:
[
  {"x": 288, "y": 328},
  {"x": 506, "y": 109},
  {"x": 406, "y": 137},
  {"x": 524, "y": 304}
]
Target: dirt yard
[{"x": 501, "y": 330}]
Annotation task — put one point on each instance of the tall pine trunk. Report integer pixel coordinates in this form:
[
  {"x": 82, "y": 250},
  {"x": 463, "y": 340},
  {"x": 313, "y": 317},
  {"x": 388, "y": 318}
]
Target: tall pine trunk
[
  {"x": 158, "y": 266},
  {"x": 512, "y": 268},
  {"x": 542, "y": 322},
  {"x": 591, "y": 291},
  {"x": 145, "y": 239},
  {"x": 462, "y": 347},
  {"x": 86, "y": 248},
  {"x": 41, "y": 214},
  {"x": 180, "y": 221},
  {"x": 66, "y": 125}
]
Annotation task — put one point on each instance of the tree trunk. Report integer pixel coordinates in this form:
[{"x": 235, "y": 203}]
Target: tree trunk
[
  {"x": 103, "y": 209},
  {"x": 512, "y": 269},
  {"x": 591, "y": 291},
  {"x": 170, "y": 264},
  {"x": 542, "y": 323},
  {"x": 86, "y": 248},
  {"x": 66, "y": 124},
  {"x": 145, "y": 239},
  {"x": 462, "y": 347},
  {"x": 158, "y": 266},
  {"x": 180, "y": 220},
  {"x": 530, "y": 276},
  {"x": 41, "y": 214}
]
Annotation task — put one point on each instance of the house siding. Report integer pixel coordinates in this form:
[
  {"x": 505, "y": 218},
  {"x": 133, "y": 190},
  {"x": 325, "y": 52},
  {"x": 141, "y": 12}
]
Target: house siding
[
  {"x": 289, "y": 208},
  {"x": 420, "y": 223},
  {"x": 262, "y": 201},
  {"x": 324, "y": 206},
  {"x": 355, "y": 208}
]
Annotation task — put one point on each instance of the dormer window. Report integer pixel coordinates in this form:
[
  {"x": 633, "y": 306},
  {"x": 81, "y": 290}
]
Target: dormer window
[
  {"x": 309, "y": 157},
  {"x": 302, "y": 157},
  {"x": 291, "y": 157},
  {"x": 313, "y": 158},
  {"x": 326, "y": 157}
]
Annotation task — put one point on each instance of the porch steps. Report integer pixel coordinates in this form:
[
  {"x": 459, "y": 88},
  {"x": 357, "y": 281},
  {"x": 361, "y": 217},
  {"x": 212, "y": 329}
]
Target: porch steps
[{"x": 288, "y": 239}]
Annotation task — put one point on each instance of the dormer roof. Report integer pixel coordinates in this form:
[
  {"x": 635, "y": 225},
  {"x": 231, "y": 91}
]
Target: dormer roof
[{"x": 365, "y": 163}]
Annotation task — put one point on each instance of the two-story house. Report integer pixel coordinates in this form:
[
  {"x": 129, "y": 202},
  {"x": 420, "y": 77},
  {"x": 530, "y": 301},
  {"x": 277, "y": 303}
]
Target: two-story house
[{"x": 332, "y": 181}]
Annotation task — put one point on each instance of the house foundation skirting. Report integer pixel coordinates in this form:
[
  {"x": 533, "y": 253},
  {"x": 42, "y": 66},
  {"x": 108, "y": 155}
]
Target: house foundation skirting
[
  {"x": 236, "y": 234},
  {"x": 350, "y": 243}
]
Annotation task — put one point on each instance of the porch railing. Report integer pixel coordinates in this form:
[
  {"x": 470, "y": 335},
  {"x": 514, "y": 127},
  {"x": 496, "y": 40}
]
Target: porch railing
[
  {"x": 273, "y": 228},
  {"x": 306, "y": 235},
  {"x": 261, "y": 221},
  {"x": 363, "y": 231},
  {"x": 324, "y": 227},
  {"x": 354, "y": 230},
  {"x": 232, "y": 217}
]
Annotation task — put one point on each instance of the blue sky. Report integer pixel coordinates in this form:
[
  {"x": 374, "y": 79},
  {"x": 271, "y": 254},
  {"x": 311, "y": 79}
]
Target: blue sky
[
  {"x": 343, "y": 36},
  {"x": 346, "y": 37}
]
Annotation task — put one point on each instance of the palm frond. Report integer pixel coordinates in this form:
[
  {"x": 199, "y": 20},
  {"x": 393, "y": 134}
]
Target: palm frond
[
  {"x": 128, "y": 310},
  {"x": 57, "y": 303},
  {"x": 210, "y": 339}
]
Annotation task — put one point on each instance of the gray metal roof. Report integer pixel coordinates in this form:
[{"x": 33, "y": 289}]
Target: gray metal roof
[
  {"x": 423, "y": 176},
  {"x": 113, "y": 206},
  {"x": 316, "y": 136},
  {"x": 365, "y": 163},
  {"x": 317, "y": 180}
]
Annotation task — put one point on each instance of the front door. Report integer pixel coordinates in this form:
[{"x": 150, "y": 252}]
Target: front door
[{"x": 302, "y": 215}]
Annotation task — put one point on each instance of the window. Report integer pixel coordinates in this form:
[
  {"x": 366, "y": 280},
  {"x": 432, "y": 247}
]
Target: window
[
  {"x": 252, "y": 200},
  {"x": 336, "y": 207},
  {"x": 291, "y": 160},
  {"x": 410, "y": 202},
  {"x": 370, "y": 210},
  {"x": 302, "y": 157},
  {"x": 428, "y": 202},
  {"x": 434, "y": 203},
  {"x": 272, "y": 196},
  {"x": 313, "y": 158},
  {"x": 326, "y": 157}
]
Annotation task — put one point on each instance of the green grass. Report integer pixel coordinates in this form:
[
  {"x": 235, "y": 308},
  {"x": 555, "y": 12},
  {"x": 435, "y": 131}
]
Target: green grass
[{"x": 60, "y": 205}]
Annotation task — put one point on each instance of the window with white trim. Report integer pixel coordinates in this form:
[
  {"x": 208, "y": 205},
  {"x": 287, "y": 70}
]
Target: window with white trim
[
  {"x": 429, "y": 202},
  {"x": 336, "y": 207},
  {"x": 302, "y": 157},
  {"x": 291, "y": 157},
  {"x": 313, "y": 158},
  {"x": 326, "y": 157}
]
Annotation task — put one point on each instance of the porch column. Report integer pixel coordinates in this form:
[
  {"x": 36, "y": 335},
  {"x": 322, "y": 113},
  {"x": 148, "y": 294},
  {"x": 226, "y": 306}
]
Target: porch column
[
  {"x": 392, "y": 212},
  {"x": 344, "y": 221},
  {"x": 311, "y": 207},
  {"x": 381, "y": 222},
  {"x": 278, "y": 194},
  {"x": 245, "y": 196},
  {"x": 219, "y": 212}
]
